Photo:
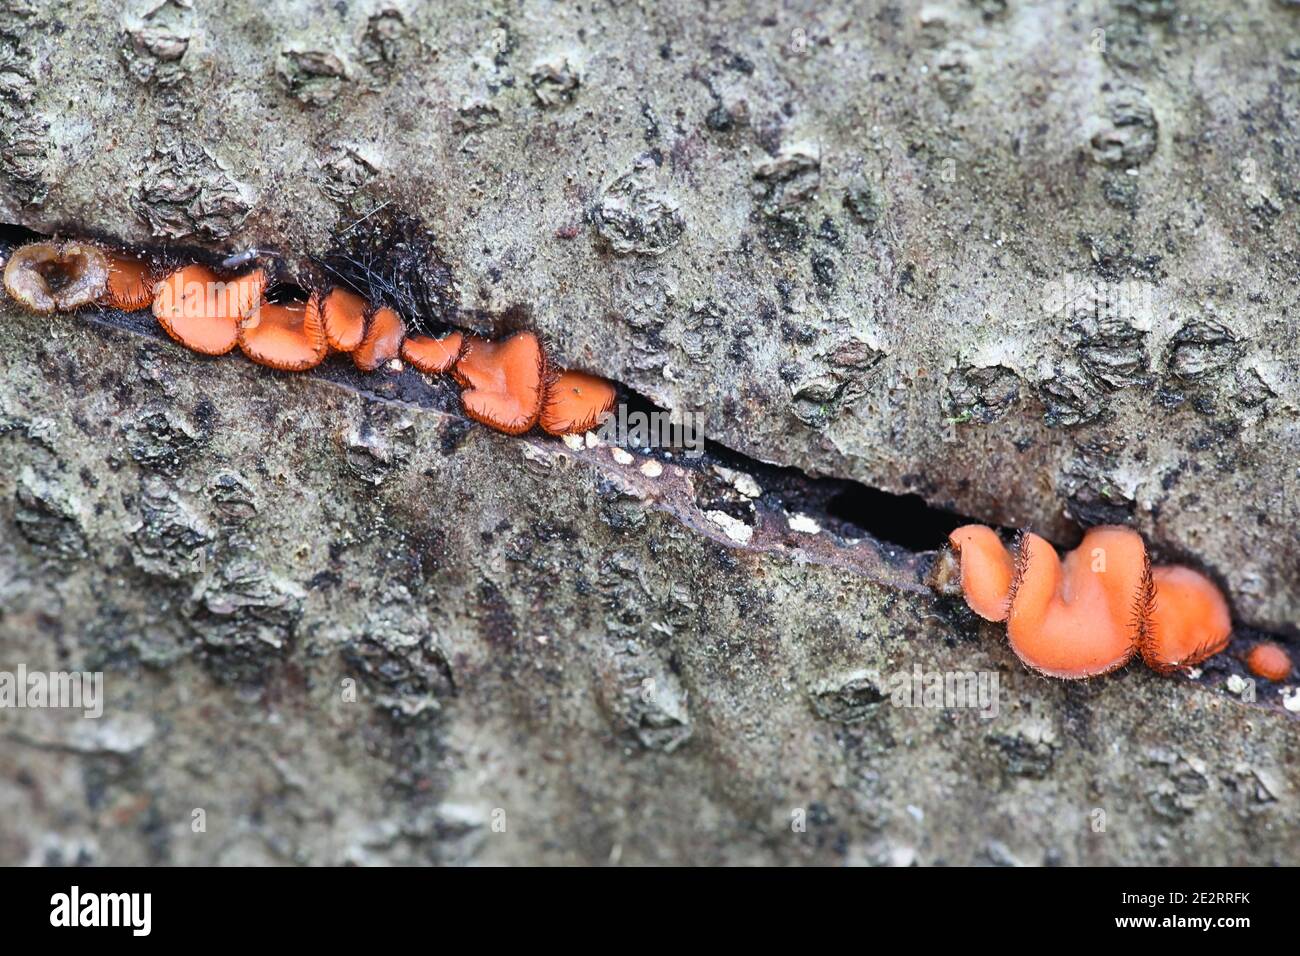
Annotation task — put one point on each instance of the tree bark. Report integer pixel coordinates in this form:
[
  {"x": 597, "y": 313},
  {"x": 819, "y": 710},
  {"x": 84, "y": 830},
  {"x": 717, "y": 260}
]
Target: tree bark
[{"x": 1031, "y": 262}]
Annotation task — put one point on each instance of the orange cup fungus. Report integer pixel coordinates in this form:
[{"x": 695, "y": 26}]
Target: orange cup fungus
[
  {"x": 1189, "y": 620},
  {"x": 506, "y": 384},
  {"x": 198, "y": 310},
  {"x": 433, "y": 356},
  {"x": 130, "y": 283},
  {"x": 502, "y": 382},
  {"x": 382, "y": 342},
  {"x": 345, "y": 319},
  {"x": 1075, "y": 618},
  {"x": 1093, "y": 611},
  {"x": 575, "y": 402},
  {"x": 289, "y": 337},
  {"x": 1269, "y": 661}
]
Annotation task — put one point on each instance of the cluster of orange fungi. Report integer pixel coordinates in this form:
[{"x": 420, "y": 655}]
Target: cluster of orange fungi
[
  {"x": 508, "y": 385},
  {"x": 1077, "y": 618},
  {"x": 1095, "y": 610}
]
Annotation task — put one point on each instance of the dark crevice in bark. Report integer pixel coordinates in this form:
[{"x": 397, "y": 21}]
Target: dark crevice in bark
[
  {"x": 904, "y": 526},
  {"x": 844, "y": 507}
]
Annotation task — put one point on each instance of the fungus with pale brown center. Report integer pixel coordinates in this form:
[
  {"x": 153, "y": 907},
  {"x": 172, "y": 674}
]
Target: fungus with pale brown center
[
  {"x": 289, "y": 336},
  {"x": 502, "y": 382},
  {"x": 344, "y": 315},
  {"x": 382, "y": 342},
  {"x": 56, "y": 276},
  {"x": 433, "y": 356}
]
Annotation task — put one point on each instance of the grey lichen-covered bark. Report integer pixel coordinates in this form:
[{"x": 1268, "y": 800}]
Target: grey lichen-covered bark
[
  {"x": 350, "y": 629},
  {"x": 853, "y": 237}
]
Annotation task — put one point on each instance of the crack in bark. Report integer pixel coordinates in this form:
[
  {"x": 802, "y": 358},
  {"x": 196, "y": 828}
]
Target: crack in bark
[{"x": 871, "y": 532}]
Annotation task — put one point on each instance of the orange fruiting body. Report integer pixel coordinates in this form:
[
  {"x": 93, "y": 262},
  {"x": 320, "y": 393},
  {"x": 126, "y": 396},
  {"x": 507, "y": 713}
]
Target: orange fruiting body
[
  {"x": 575, "y": 402},
  {"x": 502, "y": 382},
  {"x": 199, "y": 310},
  {"x": 56, "y": 276},
  {"x": 1189, "y": 619},
  {"x": 986, "y": 570},
  {"x": 247, "y": 291},
  {"x": 344, "y": 315},
  {"x": 506, "y": 383},
  {"x": 288, "y": 337},
  {"x": 1269, "y": 661},
  {"x": 1076, "y": 619},
  {"x": 130, "y": 283},
  {"x": 1090, "y": 613},
  {"x": 382, "y": 342},
  {"x": 433, "y": 356}
]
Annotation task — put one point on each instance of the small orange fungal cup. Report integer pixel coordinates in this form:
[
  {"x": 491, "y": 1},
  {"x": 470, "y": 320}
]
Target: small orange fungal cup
[
  {"x": 433, "y": 356},
  {"x": 288, "y": 337},
  {"x": 382, "y": 342},
  {"x": 987, "y": 569},
  {"x": 197, "y": 309},
  {"x": 344, "y": 315},
  {"x": 1189, "y": 619},
  {"x": 1269, "y": 661},
  {"x": 502, "y": 381},
  {"x": 575, "y": 402},
  {"x": 130, "y": 283}
]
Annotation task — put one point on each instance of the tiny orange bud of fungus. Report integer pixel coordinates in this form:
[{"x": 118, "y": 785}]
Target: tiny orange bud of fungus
[{"x": 1269, "y": 661}]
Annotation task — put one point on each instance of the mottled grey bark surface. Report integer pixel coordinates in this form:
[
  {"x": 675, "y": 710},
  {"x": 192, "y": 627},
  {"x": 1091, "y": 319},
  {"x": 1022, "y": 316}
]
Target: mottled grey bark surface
[
  {"x": 852, "y": 238},
  {"x": 534, "y": 632}
]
